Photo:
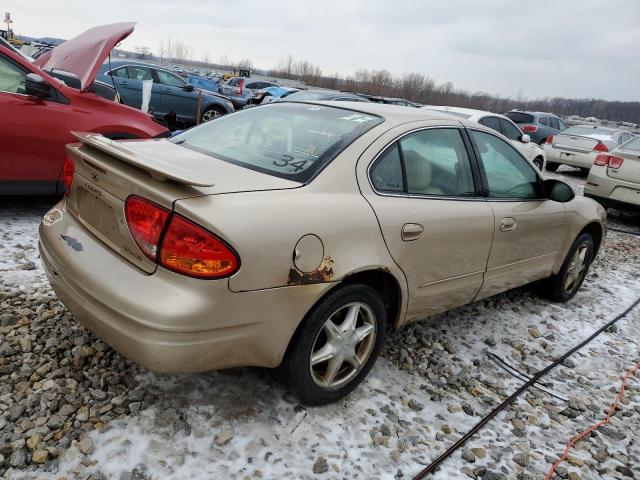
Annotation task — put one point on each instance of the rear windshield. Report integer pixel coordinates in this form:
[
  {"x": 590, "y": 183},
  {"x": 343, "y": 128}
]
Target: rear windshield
[
  {"x": 286, "y": 140},
  {"x": 586, "y": 130},
  {"x": 632, "y": 145},
  {"x": 307, "y": 95},
  {"x": 519, "y": 117}
]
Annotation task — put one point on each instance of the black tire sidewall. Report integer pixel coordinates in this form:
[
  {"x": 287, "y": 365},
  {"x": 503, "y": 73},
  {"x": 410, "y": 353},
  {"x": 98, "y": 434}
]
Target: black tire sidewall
[
  {"x": 296, "y": 364},
  {"x": 552, "y": 166}
]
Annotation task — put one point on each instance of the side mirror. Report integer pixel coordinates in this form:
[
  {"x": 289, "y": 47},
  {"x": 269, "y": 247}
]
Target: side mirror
[
  {"x": 525, "y": 138},
  {"x": 558, "y": 191},
  {"x": 35, "y": 86},
  {"x": 188, "y": 87}
]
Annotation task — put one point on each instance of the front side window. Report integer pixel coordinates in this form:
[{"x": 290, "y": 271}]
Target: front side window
[
  {"x": 563, "y": 126},
  {"x": 491, "y": 122},
  {"x": 170, "y": 79},
  {"x": 12, "y": 78},
  {"x": 286, "y": 140},
  {"x": 508, "y": 174},
  {"x": 510, "y": 130},
  {"x": 544, "y": 121},
  {"x": 633, "y": 145},
  {"x": 553, "y": 123}
]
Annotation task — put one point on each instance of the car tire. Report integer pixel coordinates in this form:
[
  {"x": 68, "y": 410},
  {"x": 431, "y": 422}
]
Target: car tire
[
  {"x": 211, "y": 113},
  {"x": 538, "y": 162},
  {"x": 563, "y": 286},
  {"x": 355, "y": 317},
  {"x": 552, "y": 166}
]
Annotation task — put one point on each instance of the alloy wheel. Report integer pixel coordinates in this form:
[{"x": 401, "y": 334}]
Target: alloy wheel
[
  {"x": 343, "y": 345},
  {"x": 577, "y": 269},
  {"x": 210, "y": 115}
]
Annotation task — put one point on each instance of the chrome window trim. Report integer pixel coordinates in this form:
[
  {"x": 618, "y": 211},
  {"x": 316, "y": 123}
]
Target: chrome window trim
[{"x": 475, "y": 198}]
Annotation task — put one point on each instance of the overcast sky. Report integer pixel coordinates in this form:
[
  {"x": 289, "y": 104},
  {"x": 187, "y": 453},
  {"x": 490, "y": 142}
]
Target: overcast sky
[{"x": 572, "y": 48}]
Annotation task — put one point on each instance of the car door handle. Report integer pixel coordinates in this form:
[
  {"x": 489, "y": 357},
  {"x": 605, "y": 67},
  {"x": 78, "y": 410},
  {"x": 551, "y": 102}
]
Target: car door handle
[
  {"x": 411, "y": 231},
  {"x": 508, "y": 224}
]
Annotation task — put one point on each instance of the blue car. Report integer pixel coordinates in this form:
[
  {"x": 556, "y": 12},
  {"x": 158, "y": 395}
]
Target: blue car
[
  {"x": 170, "y": 92},
  {"x": 203, "y": 83},
  {"x": 271, "y": 94},
  {"x": 241, "y": 90}
]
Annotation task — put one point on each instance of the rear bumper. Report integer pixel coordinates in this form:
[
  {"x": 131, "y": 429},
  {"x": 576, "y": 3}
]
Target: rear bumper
[
  {"x": 580, "y": 160},
  {"x": 616, "y": 204},
  {"x": 165, "y": 321}
]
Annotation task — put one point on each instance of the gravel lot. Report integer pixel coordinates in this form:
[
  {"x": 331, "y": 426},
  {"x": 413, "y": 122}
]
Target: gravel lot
[{"x": 71, "y": 408}]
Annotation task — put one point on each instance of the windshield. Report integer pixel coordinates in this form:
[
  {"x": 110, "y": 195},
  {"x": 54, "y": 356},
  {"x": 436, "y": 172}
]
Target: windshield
[
  {"x": 586, "y": 130},
  {"x": 519, "y": 117},
  {"x": 291, "y": 141},
  {"x": 632, "y": 145}
]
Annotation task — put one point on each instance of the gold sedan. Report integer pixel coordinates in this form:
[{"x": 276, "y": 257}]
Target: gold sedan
[{"x": 290, "y": 235}]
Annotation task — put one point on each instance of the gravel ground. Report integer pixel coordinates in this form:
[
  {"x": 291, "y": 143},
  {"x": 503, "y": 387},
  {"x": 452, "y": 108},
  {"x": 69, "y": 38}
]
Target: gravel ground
[{"x": 72, "y": 408}]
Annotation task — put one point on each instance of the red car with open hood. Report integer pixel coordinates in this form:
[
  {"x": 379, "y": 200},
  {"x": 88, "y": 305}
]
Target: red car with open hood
[{"x": 39, "y": 111}]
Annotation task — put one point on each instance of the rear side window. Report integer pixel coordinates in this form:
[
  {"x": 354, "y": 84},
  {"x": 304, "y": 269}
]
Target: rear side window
[
  {"x": 120, "y": 72},
  {"x": 286, "y": 140},
  {"x": 563, "y": 126},
  {"x": 386, "y": 173},
  {"x": 139, "y": 73},
  {"x": 508, "y": 174},
  {"x": 520, "y": 117},
  {"x": 433, "y": 161},
  {"x": 544, "y": 121},
  {"x": 553, "y": 123}
]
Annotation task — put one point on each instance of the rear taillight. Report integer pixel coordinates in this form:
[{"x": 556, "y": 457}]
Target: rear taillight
[
  {"x": 146, "y": 221},
  {"x": 68, "y": 170},
  {"x": 240, "y": 87},
  {"x": 549, "y": 140},
  {"x": 600, "y": 147},
  {"x": 529, "y": 128},
  {"x": 192, "y": 250},
  {"x": 608, "y": 161},
  {"x": 179, "y": 244}
]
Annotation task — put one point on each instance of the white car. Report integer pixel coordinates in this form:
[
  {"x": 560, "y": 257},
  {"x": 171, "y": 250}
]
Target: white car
[
  {"x": 521, "y": 141},
  {"x": 578, "y": 146}
]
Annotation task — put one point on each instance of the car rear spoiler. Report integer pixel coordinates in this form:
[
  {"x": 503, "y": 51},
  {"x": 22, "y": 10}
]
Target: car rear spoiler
[{"x": 185, "y": 169}]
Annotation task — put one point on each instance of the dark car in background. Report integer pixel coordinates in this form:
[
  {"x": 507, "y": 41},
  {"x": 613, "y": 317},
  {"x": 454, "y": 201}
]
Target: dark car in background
[
  {"x": 538, "y": 125},
  {"x": 170, "y": 92}
]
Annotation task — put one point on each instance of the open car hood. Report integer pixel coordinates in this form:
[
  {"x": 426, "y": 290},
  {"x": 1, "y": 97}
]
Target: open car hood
[{"x": 83, "y": 55}]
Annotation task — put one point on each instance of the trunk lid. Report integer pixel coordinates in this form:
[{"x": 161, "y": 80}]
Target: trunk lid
[
  {"x": 107, "y": 172},
  {"x": 630, "y": 169},
  {"x": 577, "y": 143},
  {"x": 83, "y": 55}
]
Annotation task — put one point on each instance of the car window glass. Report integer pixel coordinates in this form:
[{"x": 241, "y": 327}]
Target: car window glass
[
  {"x": 436, "y": 163},
  {"x": 553, "y": 123},
  {"x": 520, "y": 117},
  {"x": 139, "y": 73},
  {"x": 170, "y": 79},
  {"x": 12, "y": 78},
  {"x": 386, "y": 173},
  {"x": 563, "y": 126},
  {"x": 287, "y": 140},
  {"x": 508, "y": 174},
  {"x": 544, "y": 121},
  {"x": 510, "y": 130},
  {"x": 120, "y": 72},
  {"x": 491, "y": 122},
  {"x": 633, "y": 145}
]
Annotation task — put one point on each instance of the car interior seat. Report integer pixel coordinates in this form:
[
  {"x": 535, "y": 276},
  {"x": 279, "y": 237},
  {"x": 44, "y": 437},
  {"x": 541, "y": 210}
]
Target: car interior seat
[{"x": 419, "y": 174}]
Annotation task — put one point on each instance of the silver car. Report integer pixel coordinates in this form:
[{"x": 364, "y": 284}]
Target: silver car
[{"x": 578, "y": 146}]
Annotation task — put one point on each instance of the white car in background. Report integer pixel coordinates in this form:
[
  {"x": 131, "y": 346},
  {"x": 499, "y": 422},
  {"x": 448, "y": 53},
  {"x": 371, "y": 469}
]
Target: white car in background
[
  {"x": 614, "y": 178},
  {"x": 502, "y": 124},
  {"x": 578, "y": 146}
]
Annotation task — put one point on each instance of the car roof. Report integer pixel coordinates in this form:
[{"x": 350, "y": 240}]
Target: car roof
[
  {"x": 531, "y": 112},
  {"x": 393, "y": 113},
  {"x": 471, "y": 113}
]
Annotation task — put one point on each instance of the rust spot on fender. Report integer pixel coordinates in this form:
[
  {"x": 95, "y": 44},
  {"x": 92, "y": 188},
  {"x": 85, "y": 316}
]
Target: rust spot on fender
[{"x": 323, "y": 274}]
